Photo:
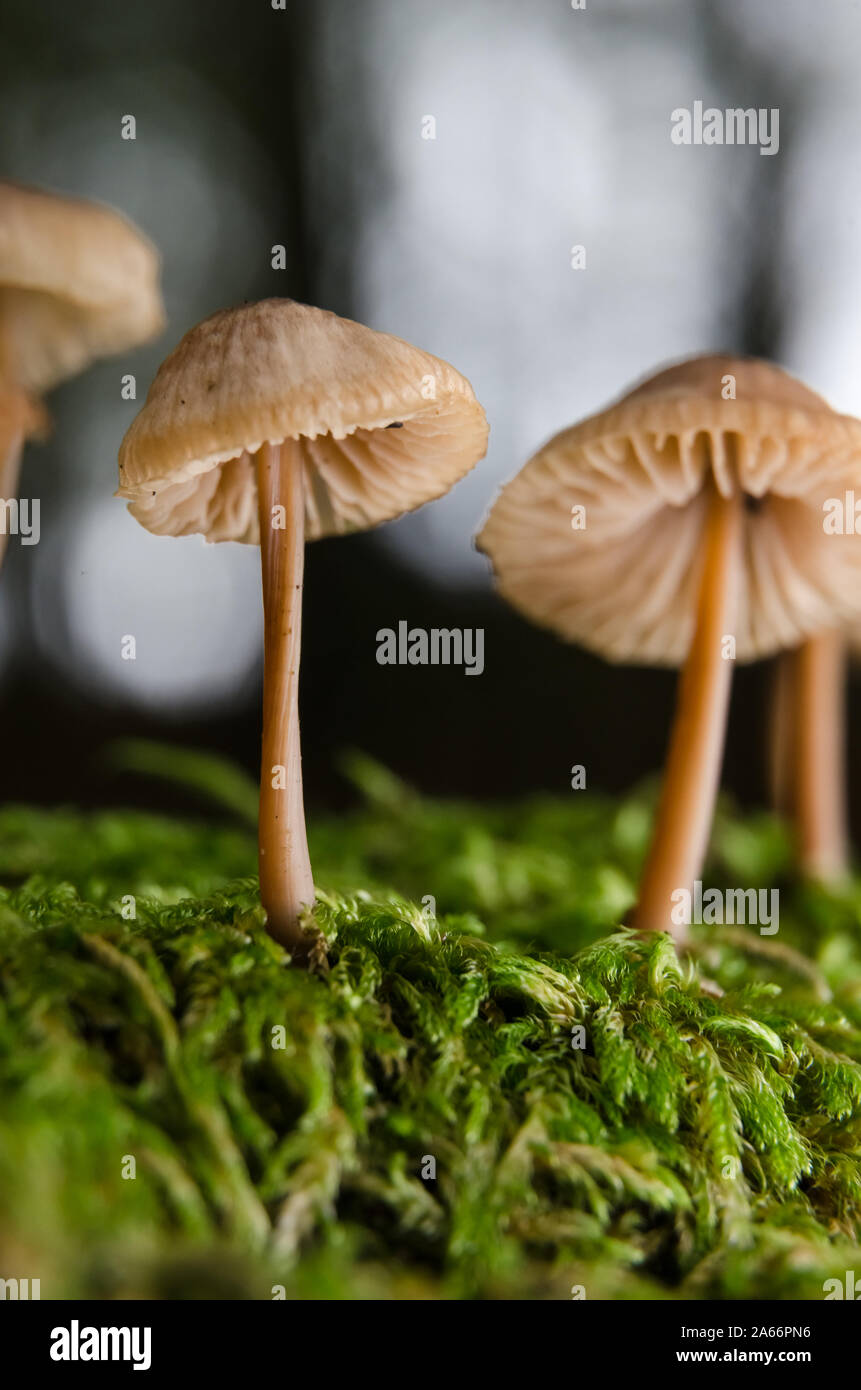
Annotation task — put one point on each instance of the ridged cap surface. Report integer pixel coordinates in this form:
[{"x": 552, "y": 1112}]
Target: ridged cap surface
[
  {"x": 626, "y": 584},
  {"x": 277, "y": 371}
]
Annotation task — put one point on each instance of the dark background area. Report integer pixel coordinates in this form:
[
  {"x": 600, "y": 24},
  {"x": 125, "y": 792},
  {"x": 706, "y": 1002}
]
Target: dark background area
[{"x": 291, "y": 115}]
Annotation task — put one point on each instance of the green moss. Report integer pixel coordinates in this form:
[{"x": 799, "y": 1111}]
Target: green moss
[{"x": 694, "y": 1146}]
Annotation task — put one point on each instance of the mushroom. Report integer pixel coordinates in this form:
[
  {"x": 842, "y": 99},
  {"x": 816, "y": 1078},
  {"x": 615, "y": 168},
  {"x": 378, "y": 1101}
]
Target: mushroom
[
  {"x": 807, "y": 739},
  {"x": 77, "y": 281},
  {"x": 807, "y": 752},
  {"x": 274, "y": 423},
  {"x": 700, "y": 539},
  {"x": 819, "y": 730}
]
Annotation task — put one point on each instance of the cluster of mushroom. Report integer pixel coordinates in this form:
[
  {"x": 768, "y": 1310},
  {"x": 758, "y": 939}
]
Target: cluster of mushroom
[
  {"x": 702, "y": 541},
  {"x": 699, "y": 498}
]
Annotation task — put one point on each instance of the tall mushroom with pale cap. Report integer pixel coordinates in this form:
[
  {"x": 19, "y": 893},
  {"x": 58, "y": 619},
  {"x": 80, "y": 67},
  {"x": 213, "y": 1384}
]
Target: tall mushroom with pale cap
[
  {"x": 277, "y": 423},
  {"x": 77, "y": 282},
  {"x": 699, "y": 539}
]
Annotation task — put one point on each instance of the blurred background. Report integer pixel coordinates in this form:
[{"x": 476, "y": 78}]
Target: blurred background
[{"x": 308, "y": 127}]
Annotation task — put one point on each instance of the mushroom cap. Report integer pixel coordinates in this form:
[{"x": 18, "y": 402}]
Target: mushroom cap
[
  {"x": 77, "y": 281},
  {"x": 626, "y": 584},
  {"x": 277, "y": 371}
]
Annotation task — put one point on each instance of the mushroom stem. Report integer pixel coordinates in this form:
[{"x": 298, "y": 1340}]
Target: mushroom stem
[
  {"x": 820, "y": 722},
  {"x": 286, "y": 882},
  {"x": 11, "y": 450},
  {"x": 782, "y": 734},
  {"x": 686, "y": 806}
]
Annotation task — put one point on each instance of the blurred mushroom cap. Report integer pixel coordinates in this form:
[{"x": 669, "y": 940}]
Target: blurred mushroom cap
[
  {"x": 383, "y": 426},
  {"x": 621, "y": 576},
  {"x": 77, "y": 282}
]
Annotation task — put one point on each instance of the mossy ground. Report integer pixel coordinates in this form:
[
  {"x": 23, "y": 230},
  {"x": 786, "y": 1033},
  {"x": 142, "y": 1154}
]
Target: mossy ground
[{"x": 694, "y": 1147}]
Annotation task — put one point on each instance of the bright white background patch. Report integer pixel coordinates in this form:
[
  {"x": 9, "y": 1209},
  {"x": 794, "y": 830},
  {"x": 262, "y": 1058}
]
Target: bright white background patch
[
  {"x": 194, "y": 610},
  {"x": 549, "y": 133}
]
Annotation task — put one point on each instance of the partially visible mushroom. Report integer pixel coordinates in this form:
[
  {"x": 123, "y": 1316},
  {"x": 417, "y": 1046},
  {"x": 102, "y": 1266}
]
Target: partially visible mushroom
[
  {"x": 77, "y": 282},
  {"x": 275, "y": 423},
  {"x": 818, "y": 755},
  {"x": 702, "y": 542},
  {"x": 807, "y": 751}
]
